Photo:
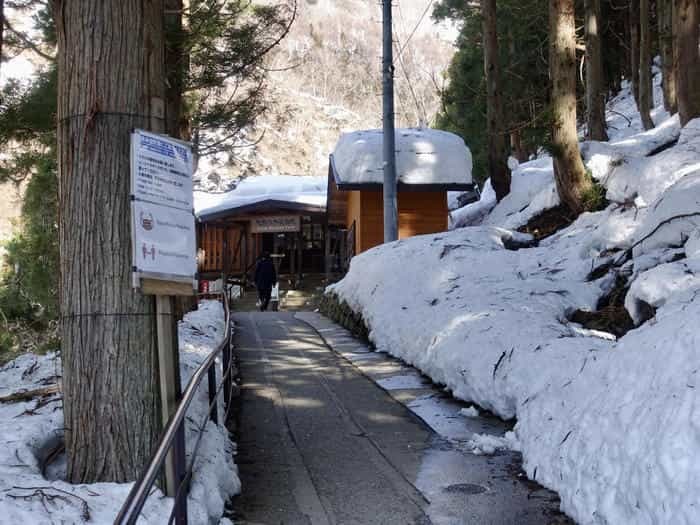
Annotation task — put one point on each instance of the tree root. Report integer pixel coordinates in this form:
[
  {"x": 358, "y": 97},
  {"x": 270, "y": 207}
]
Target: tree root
[
  {"x": 27, "y": 395},
  {"x": 44, "y": 497}
]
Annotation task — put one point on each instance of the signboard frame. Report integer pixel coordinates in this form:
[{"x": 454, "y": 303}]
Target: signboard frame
[
  {"x": 292, "y": 228},
  {"x": 151, "y": 282}
]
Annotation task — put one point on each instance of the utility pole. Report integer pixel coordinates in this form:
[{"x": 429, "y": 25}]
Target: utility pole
[{"x": 391, "y": 228}]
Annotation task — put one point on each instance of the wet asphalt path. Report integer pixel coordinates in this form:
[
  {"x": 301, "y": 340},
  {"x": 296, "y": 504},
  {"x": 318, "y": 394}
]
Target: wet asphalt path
[{"x": 320, "y": 443}]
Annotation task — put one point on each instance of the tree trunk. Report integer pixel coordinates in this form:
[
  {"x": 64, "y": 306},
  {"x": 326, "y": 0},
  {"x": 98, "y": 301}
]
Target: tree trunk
[
  {"x": 175, "y": 121},
  {"x": 175, "y": 69},
  {"x": 686, "y": 17},
  {"x": 646, "y": 93},
  {"x": 2, "y": 26},
  {"x": 569, "y": 172},
  {"x": 666, "y": 45},
  {"x": 497, "y": 149},
  {"x": 595, "y": 92},
  {"x": 634, "y": 47},
  {"x": 110, "y": 63},
  {"x": 516, "y": 146}
]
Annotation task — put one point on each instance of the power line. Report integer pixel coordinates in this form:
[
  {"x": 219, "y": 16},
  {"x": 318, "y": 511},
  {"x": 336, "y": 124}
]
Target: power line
[{"x": 420, "y": 20}]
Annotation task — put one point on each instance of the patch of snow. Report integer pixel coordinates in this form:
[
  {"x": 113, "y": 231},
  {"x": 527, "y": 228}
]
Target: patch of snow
[
  {"x": 487, "y": 444},
  {"x": 662, "y": 284},
  {"x": 423, "y": 156},
  {"x": 469, "y": 412},
  {"x": 674, "y": 215},
  {"x": 22, "y": 435},
  {"x": 473, "y": 214},
  {"x": 532, "y": 191}
]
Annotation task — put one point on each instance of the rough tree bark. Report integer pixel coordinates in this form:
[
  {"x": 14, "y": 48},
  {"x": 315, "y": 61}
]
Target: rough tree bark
[
  {"x": 497, "y": 148},
  {"x": 176, "y": 124},
  {"x": 634, "y": 47},
  {"x": 2, "y": 26},
  {"x": 569, "y": 172},
  {"x": 646, "y": 88},
  {"x": 686, "y": 17},
  {"x": 111, "y": 70},
  {"x": 664, "y": 13},
  {"x": 595, "y": 90}
]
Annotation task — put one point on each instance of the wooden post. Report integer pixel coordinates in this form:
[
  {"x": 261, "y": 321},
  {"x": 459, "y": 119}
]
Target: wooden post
[
  {"x": 292, "y": 256},
  {"x": 169, "y": 375},
  {"x": 300, "y": 248},
  {"x": 327, "y": 251}
]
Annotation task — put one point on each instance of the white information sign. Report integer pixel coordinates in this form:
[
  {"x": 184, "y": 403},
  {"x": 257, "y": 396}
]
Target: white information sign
[
  {"x": 165, "y": 240},
  {"x": 163, "y": 228},
  {"x": 161, "y": 170}
]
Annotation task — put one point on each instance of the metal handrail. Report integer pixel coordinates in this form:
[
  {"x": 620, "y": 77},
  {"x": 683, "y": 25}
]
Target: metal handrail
[{"x": 136, "y": 499}]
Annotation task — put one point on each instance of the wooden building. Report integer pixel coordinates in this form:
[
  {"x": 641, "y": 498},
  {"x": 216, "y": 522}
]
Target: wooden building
[
  {"x": 429, "y": 164},
  {"x": 283, "y": 215},
  {"x": 316, "y": 225}
]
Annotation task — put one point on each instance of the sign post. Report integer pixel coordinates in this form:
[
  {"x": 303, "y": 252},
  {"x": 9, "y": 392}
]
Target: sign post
[{"x": 164, "y": 248}]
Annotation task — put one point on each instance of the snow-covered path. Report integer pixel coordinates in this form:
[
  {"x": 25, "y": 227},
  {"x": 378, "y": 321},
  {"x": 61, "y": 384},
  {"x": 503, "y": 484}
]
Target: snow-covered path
[{"x": 321, "y": 442}]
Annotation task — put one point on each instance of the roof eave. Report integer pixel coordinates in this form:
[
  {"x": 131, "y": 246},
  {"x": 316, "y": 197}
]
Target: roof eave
[
  {"x": 402, "y": 186},
  {"x": 259, "y": 206}
]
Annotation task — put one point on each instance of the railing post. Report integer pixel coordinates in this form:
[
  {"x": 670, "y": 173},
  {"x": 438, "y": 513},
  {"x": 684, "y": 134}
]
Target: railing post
[
  {"x": 214, "y": 415},
  {"x": 180, "y": 459},
  {"x": 226, "y": 363}
]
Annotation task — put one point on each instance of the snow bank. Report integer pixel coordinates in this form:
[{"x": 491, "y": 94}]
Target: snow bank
[
  {"x": 23, "y": 435},
  {"x": 620, "y": 440},
  {"x": 532, "y": 191},
  {"x": 252, "y": 190},
  {"x": 612, "y": 425},
  {"x": 423, "y": 156}
]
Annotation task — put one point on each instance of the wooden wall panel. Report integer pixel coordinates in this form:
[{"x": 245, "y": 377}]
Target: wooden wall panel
[
  {"x": 372, "y": 227},
  {"x": 354, "y": 206},
  {"x": 337, "y": 205},
  {"x": 215, "y": 257},
  {"x": 419, "y": 213}
]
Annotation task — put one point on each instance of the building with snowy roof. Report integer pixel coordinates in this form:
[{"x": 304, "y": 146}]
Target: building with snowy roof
[
  {"x": 284, "y": 215},
  {"x": 316, "y": 224},
  {"x": 429, "y": 163}
]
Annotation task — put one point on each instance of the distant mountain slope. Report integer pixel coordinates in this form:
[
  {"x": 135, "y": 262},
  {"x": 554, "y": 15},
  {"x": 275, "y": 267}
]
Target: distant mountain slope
[{"x": 326, "y": 78}]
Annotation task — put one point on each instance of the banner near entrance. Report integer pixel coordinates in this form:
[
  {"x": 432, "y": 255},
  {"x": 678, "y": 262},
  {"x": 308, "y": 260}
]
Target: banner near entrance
[
  {"x": 275, "y": 224},
  {"x": 163, "y": 231}
]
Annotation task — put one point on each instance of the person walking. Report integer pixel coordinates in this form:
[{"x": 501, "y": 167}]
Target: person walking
[{"x": 265, "y": 279}]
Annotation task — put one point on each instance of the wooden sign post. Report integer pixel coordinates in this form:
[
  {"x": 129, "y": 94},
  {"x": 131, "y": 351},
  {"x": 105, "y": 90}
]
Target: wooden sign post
[{"x": 164, "y": 247}]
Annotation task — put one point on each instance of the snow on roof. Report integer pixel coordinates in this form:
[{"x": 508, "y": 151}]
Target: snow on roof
[
  {"x": 423, "y": 156},
  {"x": 306, "y": 191}
]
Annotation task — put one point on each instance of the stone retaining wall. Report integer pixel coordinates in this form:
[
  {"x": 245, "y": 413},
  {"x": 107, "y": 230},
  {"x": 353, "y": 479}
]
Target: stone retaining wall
[{"x": 340, "y": 312}]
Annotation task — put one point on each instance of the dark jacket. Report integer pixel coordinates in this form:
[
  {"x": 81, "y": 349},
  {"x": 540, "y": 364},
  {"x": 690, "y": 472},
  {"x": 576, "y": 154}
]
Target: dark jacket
[{"x": 265, "y": 274}]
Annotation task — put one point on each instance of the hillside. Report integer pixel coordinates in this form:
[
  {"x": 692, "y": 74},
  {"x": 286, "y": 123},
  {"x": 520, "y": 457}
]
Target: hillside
[
  {"x": 326, "y": 78},
  {"x": 606, "y": 411}
]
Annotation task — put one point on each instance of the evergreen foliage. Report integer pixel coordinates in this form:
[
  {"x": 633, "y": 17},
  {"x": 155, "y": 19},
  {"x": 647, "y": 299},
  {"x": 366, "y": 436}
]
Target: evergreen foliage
[
  {"x": 522, "y": 33},
  {"x": 221, "y": 74},
  {"x": 225, "y": 81}
]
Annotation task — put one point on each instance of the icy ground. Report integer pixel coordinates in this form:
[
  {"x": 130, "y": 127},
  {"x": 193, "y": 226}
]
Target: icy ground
[
  {"x": 26, "y": 496},
  {"x": 612, "y": 425}
]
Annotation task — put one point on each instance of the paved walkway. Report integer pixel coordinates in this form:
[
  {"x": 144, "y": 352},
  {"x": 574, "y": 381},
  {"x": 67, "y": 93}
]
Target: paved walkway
[{"x": 321, "y": 443}]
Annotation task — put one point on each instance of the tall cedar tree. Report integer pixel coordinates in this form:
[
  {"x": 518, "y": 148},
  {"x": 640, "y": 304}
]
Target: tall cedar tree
[
  {"x": 497, "y": 150},
  {"x": 664, "y": 13},
  {"x": 595, "y": 88},
  {"x": 645, "y": 101},
  {"x": 685, "y": 24},
  {"x": 108, "y": 329},
  {"x": 571, "y": 177},
  {"x": 634, "y": 47}
]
